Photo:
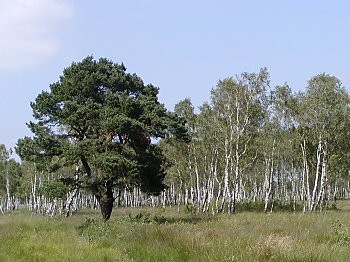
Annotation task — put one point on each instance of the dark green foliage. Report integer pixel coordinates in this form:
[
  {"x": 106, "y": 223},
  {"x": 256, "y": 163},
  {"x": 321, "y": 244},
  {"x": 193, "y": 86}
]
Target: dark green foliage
[
  {"x": 141, "y": 217},
  {"x": 102, "y": 120},
  {"x": 54, "y": 189}
]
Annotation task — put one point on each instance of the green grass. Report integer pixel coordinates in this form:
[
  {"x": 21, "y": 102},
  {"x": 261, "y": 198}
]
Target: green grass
[{"x": 165, "y": 235}]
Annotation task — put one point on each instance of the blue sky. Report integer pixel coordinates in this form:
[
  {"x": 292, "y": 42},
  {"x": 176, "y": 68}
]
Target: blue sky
[{"x": 183, "y": 47}]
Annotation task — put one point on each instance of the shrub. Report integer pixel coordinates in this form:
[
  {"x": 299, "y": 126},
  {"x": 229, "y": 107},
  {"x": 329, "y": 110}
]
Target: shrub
[{"x": 341, "y": 232}]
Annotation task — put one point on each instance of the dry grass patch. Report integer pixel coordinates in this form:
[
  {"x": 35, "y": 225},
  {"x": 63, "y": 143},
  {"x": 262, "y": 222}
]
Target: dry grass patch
[{"x": 272, "y": 247}]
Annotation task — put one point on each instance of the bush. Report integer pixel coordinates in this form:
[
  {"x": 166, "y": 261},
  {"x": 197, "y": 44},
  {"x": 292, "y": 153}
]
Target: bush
[
  {"x": 258, "y": 206},
  {"x": 341, "y": 233},
  {"x": 145, "y": 218},
  {"x": 94, "y": 230}
]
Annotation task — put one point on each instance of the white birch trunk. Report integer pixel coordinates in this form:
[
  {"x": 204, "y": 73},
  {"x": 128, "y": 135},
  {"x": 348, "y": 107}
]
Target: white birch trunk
[
  {"x": 8, "y": 193},
  {"x": 69, "y": 202},
  {"x": 321, "y": 195},
  {"x": 268, "y": 177},
  {"x": 317, "y": 174},
  {"x": 307, "y": 205}
]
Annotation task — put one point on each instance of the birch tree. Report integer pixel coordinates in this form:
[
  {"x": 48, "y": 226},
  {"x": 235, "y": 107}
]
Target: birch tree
[
  {"x": 239, "y": 106},
  {"x": 324, "y": 113},
  {"x": 10, "y": 176}
]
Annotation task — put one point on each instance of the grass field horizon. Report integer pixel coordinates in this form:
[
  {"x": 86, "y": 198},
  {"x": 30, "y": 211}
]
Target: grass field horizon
[{"x": 145, "y": 234}]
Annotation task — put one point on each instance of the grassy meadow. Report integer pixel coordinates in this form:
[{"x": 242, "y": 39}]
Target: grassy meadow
[{"x": 165, "y": 235}]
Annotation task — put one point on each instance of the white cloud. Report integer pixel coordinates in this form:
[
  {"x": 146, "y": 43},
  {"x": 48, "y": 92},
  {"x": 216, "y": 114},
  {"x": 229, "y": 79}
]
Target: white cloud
[{"x": 28, "y": 30}]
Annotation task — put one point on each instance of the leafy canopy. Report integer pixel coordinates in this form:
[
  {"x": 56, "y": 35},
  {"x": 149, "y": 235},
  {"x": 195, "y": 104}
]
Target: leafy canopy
[{"x": 103, "y": 119}]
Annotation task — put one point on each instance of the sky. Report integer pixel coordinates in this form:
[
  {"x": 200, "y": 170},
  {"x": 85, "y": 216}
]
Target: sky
[{"x": 182, "y": 47}]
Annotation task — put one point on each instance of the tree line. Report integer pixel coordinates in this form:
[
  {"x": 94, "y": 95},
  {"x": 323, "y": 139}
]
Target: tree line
[
  {"x": 256, "y": 143},
  {"x": 101, "y": 139}
]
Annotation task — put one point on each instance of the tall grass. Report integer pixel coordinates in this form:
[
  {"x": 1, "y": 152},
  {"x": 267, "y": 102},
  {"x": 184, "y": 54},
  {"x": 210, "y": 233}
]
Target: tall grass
[{"x": 165, "y": 235}]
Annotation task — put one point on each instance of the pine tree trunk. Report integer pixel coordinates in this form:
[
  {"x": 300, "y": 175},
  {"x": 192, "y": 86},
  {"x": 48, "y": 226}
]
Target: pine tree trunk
[{"x": 106, "y": 200}]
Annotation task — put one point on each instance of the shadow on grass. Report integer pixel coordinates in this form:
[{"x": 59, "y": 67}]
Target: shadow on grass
[{"x": 146, "y": 218}]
